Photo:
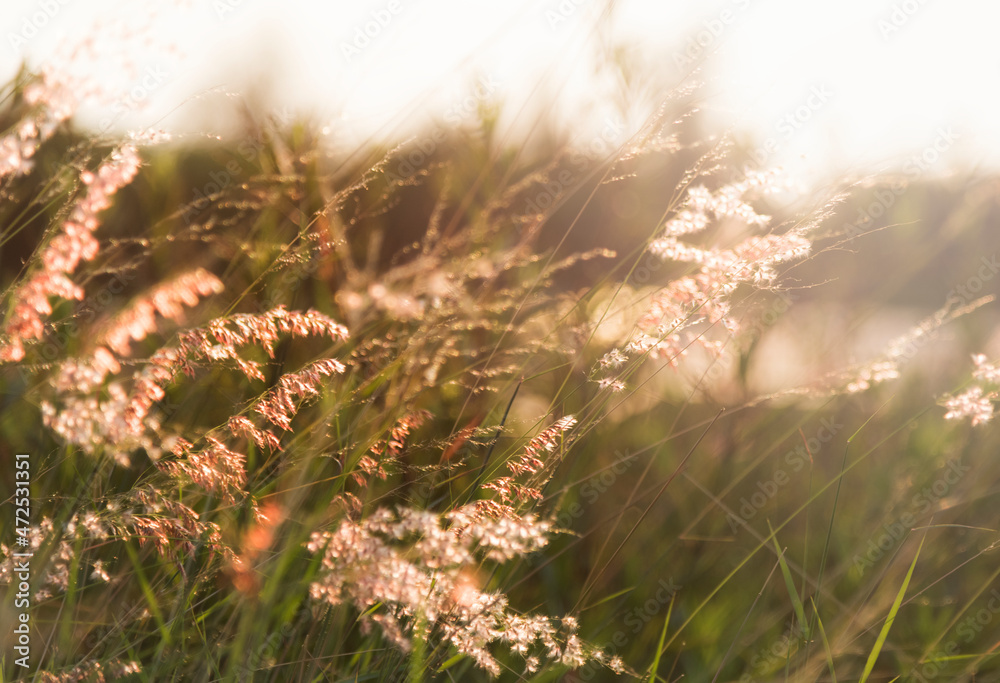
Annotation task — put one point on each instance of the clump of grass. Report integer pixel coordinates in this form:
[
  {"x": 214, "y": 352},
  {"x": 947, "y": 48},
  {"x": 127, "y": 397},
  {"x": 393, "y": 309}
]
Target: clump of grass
[{"x": 265, "y": 449}]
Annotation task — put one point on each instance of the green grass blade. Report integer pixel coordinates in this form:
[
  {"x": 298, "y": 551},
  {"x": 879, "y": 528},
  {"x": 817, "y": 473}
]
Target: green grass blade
[
  {"x": 609, "y": 598},
  {"x": 654, "y": 667},
  {"x": 418, "y": 655},
  {"x": 826, "y": 643},
  {"x": 451, "y": 662},
  {"x": 148, "y": 593},
  {"x": 884, "y": 633},
  {"x": 800, "y": 612}
]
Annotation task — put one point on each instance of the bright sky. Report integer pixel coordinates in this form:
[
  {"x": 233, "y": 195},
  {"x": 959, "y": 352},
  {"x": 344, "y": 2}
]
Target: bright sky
[{"x": 820, "y": 88}]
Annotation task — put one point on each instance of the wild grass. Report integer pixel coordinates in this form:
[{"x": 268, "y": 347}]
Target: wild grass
[{"x": 324, "y": 422}]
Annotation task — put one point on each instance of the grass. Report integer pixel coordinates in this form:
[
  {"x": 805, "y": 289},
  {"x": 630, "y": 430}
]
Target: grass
[{"x": 316, "y": 522}]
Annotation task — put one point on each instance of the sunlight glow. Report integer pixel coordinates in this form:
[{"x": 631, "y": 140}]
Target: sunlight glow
[{"x": 896, "y": 72}]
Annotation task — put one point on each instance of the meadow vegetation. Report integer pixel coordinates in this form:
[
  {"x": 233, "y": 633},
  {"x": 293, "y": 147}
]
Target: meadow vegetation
[{"x": 521, "y": 413}]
